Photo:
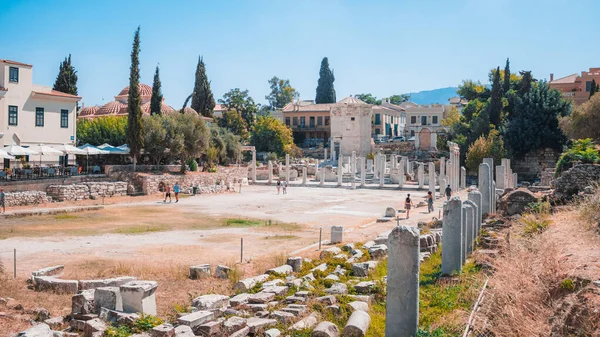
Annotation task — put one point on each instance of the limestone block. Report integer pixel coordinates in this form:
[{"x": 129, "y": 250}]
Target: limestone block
[
  {"x": 327, "y": 300},
  {"x": 337, "y": 289},
  {"x": 378, "y": 251},
  {"x": 233, "y": 324},
  {"x": 357, "y": 324},
  {"x": 261, "y": 298},
  {"x": 239, "y": 299},
  {"x": 49, "y": 283},
  {"x": 348, "y": 247},
  {"x": 359, "y": 305},
  {"x": 272, "y": 333},
  {"x": 211, "y": 301},
  {"x": 199, "y": 271},
  {"x": 241, "y": 333},
  {"x": 363, "y": 269},
  {"x": 281, "y": 270},
  {"x": 337, "y": 233},
  {"x": 94, "y": 328},
  {"x": 326, "y": 329},
  {"x": 184, "y": 331},
  {"x": 139, "y": 297},
  {"x": 196, "y": 319},
  {"x": 40, "y": 330},
  {"x": 247, "y": 284},
  {"x": 330, "y": 252},
  {"x": 321, "y": 267},
  {"x": 307, "y": 322},
  {"x": 222, "y": 272},
  {"x": 256, "y": 324},
  {"x": 83, "y": 303},
  {"x": 365, "y": 287},
  {"x": 295, "y": 263},
  {"x": 109, "y": 298},
  {"x": 277, "y": 290},
  {"x": 282, "y": 316},
  {"x": 111, "y": 282},
  {"x": 163, "y": 330},
  {"x": 212, "y": 328},
  {"x": 390, "y": 212},
  {"x": 49, "y": 271}
]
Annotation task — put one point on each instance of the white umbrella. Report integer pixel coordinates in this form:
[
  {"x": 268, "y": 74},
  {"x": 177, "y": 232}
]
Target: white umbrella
[
  {"x": 16, "y": 150},
  {"x": 91, "y": 150},
  {"x": 69, "y": 149},
  {"x": 44, "y": 150},
  {"x": 5, "y": 155}
]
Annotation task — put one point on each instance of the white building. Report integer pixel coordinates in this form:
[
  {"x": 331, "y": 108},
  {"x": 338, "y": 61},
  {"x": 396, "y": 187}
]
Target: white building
[
  {"x": 424, "y": 122},
  {"x": 33, "y": 114},
  {"x": 388, "y": 120}
]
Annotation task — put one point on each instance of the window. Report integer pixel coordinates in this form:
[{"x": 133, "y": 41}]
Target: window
[
  {"x": 320, "y": 120},
  {"x": 39, "y": 116},
  {"x": 295, "y": 121},
  {"x": 326, "y": 120},
  {"x": 64, "y": 118},
  {"x": 352, "y": 119},
  {"x": 423, "y": 120},
  {"x": 412, "y": 133},
  {"x": 287, "y": 121},
  {"x": 377, "y": 119},
  {"x": 13, "y": 115},
  {"x": 434, "y": 120},
  {"x": 413, "y": 119},
  {"x": 302, "y": 122},
  {"x": 312, "y": 122},
  {"x": 377, "y": 131},
  {"x": 13, "y": 75}
]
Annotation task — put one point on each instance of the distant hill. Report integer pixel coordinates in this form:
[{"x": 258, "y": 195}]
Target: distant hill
[{"x": 439, "y": 96}]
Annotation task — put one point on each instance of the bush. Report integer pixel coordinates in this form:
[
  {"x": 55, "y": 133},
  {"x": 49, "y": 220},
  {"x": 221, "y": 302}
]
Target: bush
[
  {"x": 492, "y": 146},
  {"x": 193, "y": 165},
  {"x": 581, "y": 151},
  {"x": 534, "y": 224},
  {"x": 590, "y": 209},
  {"x": 146, "y": 323}
]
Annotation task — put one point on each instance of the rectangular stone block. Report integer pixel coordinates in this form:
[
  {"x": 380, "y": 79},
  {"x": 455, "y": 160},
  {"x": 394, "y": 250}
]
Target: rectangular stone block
[
  {"x": 337, "y": 233},
  {"x": 138, "y": 296},
  {"x": 83, "y": 303},
  {"x": 109, "y": 298},
  {"x": 199, "y": 271},
  {"x": 196, "y": 319}
]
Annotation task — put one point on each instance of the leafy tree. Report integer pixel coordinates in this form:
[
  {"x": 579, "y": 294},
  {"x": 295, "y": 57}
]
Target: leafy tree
[
  {"x": 325, "y": 89},
  {"x": 202, "y": 98},
  {"x": 155, "y": 137},
  {"x": 584, "y": 122},
  {"x": 495, "y": 104},
  {"x": 582, "y": 150},
  {"x": 506, "y": 82},
  {"x": 196, "y": 136},
  {"x": 525, "y": 83},
  {"x": 399, "y": 99},
  {"x": 240, "y": 101},
  {"x": 271, "y": 135},
  {"x": 470, "y": 90},
  {"x": 66, "y": 80},
  {"x": 473, "y": 108},
  {"x": 485, "y": 147},
  {"x": 157, "y": 97},
  {"x": 106, "y": 129},
  {"x": 224, "y": 145},
  {"x": 368, "y": 98},
  {"x": 535, "y": 125},
  {"x": 452, "y": 117},
  {"x": 593, "y": 88},
  {"x": 281, "y": 94},
  {"x": 234, "y": 122},
  {"x": 135, "y": 131}
]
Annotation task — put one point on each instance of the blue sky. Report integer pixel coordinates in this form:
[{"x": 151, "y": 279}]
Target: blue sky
[{"x": 382, "y": 47}]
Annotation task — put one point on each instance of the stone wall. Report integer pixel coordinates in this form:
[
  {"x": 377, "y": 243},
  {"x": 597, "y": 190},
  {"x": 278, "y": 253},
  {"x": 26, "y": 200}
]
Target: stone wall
[
  {"x": 576, "y": 179},
  {"x": 86, "y": 190},
  {"x": 42, "y": 184},
  {"x": 530, "y": 167},
  {"x": 26, "y": 198}
]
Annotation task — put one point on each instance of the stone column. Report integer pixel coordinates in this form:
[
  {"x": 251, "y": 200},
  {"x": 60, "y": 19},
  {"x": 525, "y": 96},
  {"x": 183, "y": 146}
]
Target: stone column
[
  {"x": 432, "y": 178},
  {"x": 402, "y": 298},
  {"x": 494, "y": 195},
  {"x": 472, "y": 217},
  {"x": 270, "y": 165},
  {"x": 475, "y": 197},
  {"x": 501, "y": 177},
  {"x": 442, "y": 166},
  {"x": 370, "y": 165},
  {"x": 421, "y": 175},
  {"x": 287, "y": 168},
  {"x": 514, "y": 180},
  {"x": 449, "y": 172},
  {"x": 401, "y": 173},
  {"x": 443, "y": 184},
  {"x": 507, "y": 174},
  {"x": 325, "y": 154},
  {"x": 363, "y": 172},
  {"x": 254, "y": 166},
  {"x": 376, "y": 164},
  {"x": 316, "y": 169},
  {"x": 340, "y": 172},
  {"x": 337, "y": 234},
  {"x": 485, "y": 187},
  {"x": 463, "y": 178},
  {"x": 322, "y": 177},
  {"x": 304, "y": 173},
  {"x": 393, "y": 161},
  {"x": 382, "y": 170},
  {"x": 353, "y": 170},
  {"x": 452, "y": 237},
  {"x": 464, "y": 228}
]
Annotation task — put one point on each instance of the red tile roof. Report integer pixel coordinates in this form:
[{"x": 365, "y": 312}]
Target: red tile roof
[
  {"x": 567, "y": 79},
  {"x": 16, "y": 63},
  {"x": 56, "y": 93}
]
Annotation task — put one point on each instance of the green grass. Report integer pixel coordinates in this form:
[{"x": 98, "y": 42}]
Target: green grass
[
  {"x": 141, "y": 230},
  {"x": 535, "y": 224},
  {"x": 66, "y": 216},
  {"x": 241, "y": 223},
  {"x": 280, "y": 237}
]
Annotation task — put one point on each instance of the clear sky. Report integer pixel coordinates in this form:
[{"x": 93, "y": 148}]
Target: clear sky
[{"x": 377, "y": 46}]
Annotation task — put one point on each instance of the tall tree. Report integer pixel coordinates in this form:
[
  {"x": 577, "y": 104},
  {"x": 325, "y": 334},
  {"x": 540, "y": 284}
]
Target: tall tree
[
  {"x": 135, "y": 132},
  {"x": 281, "y": 93},
  {"x": 269, "y": 134},
  {"x": 525, "y": 83},
  {"x": 495, "y": 105},
  {"x": 202, "y": 98},
  {"x": 240, "y": 101},
  {"x": 593, "y": 88},
  {"x": 157, "y": 97},
  {"x": 66, "y": 80},
  {"x": 325, "y": 89},
  {"x": 506, "y": 82},
  {"x": 399, "y": 99},
  {"x": 368, "y": 98}
]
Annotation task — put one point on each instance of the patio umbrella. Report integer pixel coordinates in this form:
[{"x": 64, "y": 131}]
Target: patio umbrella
[
  {"x": 16, "y": 150},
  {"x": 91, "y": 150},
  {"x": 45, "y": 150},
  {"x": 69, "y": 149},
  {"x": 113, "y": 149}
]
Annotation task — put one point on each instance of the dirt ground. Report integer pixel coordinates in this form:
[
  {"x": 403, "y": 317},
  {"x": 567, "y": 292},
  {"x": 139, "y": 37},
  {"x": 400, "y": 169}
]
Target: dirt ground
[{"x": 149, "y": 239}]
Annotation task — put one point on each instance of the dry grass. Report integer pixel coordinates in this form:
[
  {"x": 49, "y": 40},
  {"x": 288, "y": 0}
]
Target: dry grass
[{"x": 590, "y": 210}]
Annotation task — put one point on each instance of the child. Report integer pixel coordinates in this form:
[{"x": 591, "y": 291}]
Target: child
[
  {"x": 278, "y": 185},
  {"x": 284, "y": 186},
  {"x": 429, "y": 202},
  {"x": 408, "y": 205}
]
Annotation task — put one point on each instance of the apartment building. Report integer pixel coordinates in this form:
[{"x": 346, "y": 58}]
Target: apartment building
[{"x": 576, "y": 87}]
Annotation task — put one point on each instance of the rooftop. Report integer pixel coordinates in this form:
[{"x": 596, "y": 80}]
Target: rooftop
[
  {"x": 15, "y": 63},
  {"x": 567, "y": 79}
]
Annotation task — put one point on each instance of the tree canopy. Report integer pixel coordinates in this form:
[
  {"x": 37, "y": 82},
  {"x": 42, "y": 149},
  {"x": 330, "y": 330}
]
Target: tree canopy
[
  {"x": 157, "y": 97},
  {"x": 106, "y": 129},
  {"x": 66, "y": 80},
  {"x": 368, "y": 98},
  {"x": 325, "y": 88},
  {"x": 281, "y": 93},
  {"x": 240, "y": 101},
  {"x": 584, "y": 122},
  {"x": 202, "y": 98},
  {"x": 271, "y": 135},
  {"x": 233, "y": 121},
  {"x": 135, "y": 133}
]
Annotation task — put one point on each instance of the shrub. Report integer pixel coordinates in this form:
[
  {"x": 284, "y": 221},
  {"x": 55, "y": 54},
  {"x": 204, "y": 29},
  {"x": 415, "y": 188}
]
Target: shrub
[
  {"x": 534, "y": 224},
  {"x": 492, "y": 146},
  {"x": 590, "y": 209},
  {"x": 193, "y": 165},
  {"x": 146, "y": 323},
  {"x": 581, "y": 151},
  {"x": 122, "y": 331},
  {"x": 542, "y": 207},
  {"x": 567, "y": 284}
]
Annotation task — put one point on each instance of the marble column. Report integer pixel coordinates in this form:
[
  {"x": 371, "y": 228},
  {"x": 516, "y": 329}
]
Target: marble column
[
  {"x": 452, "y": 237},
  {"x": 325, "y": 154},
  {"x": 432, "y": 178},
  {"x": 304, "y": 174},
  {"x": 442, "y": 166},
  {"x": 363, "y": 171},
  {"x": 450, "y": 173},
  {"x": 254, "y": 166},
  {"x": 287, "y": 168},
  {"x": 485, "y": 188},
  {"x": 501, "y": 177},
  {"x": 463, "y": 178},
  {"x": 401, "y": 167},
  {"x": 270, "y": 166},
  {"x": 353, "y": 170},
  {"x": 421, "y": 175},
  {"x": 472, "y": 218},
  {"x": 382, "y": 170},
  {"x": 475, "y": 197},
  {"x": 340, "y": 172}
]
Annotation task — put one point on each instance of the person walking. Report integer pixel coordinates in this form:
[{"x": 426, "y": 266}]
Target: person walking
[
  {"x": 429, "y": 202},
  {"x": 448, "y": 192},
  {"x": 278, "y": 186},
  {"x": 3, "y": 200},
  {"x": 408, "y": 205},
  {"x": 176, "y": 189},
  {"x": 284, "y": 186},
  {"x": 167, "y": 193}
]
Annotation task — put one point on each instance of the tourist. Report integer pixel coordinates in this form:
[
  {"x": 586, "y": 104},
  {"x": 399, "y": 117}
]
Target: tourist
[
  {"x": 176, "y": 189},
  {"x": 167, "y": 193},
  {"x": 408, "y": 205},
  {"x": 429, "y": 202},
  {"x": 448, "y": 192},
  {"x": 3, "y": 200},
  {"x": 284, "y": 186},
  {"x": 278, "y": 185}
]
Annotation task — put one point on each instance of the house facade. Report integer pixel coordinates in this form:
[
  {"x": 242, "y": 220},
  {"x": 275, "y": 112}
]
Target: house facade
[
  {"x": 424, "y": 122},
  {"x": 575, "y": 87},
  {"x": 32, "y": 114},
  {"x": 388, "y": 120}
]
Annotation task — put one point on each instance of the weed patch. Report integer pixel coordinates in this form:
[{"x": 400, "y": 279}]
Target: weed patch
[{"x": 141, "y": 230}]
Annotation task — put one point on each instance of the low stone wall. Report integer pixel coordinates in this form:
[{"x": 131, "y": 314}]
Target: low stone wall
[
  {"x": 42, "y": 184},
  {"x": 87, "y": 190},
  {"x": 26, "y": 198},
  {"x": 576, "y": 179},
  {"x": 530, "y": 167}
]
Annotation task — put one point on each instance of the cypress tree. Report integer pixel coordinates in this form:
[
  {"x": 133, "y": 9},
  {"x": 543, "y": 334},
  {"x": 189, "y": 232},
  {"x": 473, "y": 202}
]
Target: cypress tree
[
  {"x": 525, "y": 83},
  {"x": 593, "y": 88},
  {"x": 495, "y": 104},
  {"x": 202, "y": 98},
  {"x": 157, "y": 97},
  {"x": 506, "y": 83},
  {"x": 66, "y": 80},
  {"x": 134, "y": 135},
  {"x": 325, "y": 89}
]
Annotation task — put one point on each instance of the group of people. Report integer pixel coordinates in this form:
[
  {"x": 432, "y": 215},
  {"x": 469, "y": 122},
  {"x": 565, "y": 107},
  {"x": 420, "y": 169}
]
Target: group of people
[
  {"x": 408, "y": 204},
  {"x": 176, "y": 190},
  {"x": 281, "y": 185}
]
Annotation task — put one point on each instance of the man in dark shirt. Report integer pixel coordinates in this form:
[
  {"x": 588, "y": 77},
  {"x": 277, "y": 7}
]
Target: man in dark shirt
[{"x": 448, "y": 192}]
